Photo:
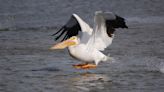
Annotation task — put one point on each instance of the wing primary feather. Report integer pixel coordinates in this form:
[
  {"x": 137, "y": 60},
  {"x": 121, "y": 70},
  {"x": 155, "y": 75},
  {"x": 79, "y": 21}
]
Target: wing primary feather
[
  {"x": 118, "y": 22},
  {"x": 65, "y": 37},
  {"x": 57, "y": 31},
  {"x": 63, "y": 31},
  {"x": 70, "y": 29}
]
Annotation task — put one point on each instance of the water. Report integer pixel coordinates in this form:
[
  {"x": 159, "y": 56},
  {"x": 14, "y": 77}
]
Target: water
[
  {"x": 42, "y": 14},
  {"x": 26, "y": 63}
]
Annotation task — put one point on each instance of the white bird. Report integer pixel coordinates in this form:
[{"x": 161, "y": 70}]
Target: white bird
[{"x": 85, "y": 43}]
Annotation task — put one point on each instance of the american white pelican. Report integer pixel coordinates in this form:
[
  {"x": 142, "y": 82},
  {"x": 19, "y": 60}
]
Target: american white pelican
[{"x": 85, "y": 43}]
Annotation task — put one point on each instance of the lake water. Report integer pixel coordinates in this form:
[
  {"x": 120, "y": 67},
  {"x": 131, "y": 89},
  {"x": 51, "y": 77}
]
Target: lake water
[{"x": 27, "y": 64}]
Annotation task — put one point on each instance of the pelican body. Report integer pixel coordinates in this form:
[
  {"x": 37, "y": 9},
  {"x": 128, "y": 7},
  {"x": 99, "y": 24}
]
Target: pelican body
[
  {"x": 85, "y": 43},
  {"x": 81, "y": 53}
]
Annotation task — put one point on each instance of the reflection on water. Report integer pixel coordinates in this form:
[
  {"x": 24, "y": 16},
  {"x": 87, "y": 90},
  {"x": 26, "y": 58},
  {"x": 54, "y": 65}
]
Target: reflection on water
[{"x": 89, "y": 81}]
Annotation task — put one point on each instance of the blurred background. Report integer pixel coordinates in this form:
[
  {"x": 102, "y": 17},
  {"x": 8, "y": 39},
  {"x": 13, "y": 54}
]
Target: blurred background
[
  {"x": 16, "y": 14},
  {"x": 27, "y": 64}
]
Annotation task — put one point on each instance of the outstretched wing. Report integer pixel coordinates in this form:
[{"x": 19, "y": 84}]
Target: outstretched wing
[
  {"x": 72, "y": 28},
  {"x": 105, "y": 25}
]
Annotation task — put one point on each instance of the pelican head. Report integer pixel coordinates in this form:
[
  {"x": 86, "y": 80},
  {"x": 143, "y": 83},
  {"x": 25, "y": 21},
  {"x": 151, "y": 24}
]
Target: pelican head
[{"x": 73, "y": 41}]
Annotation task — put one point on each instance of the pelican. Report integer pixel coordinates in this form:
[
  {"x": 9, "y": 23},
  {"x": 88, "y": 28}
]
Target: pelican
[{"x": 85, "y": 43}]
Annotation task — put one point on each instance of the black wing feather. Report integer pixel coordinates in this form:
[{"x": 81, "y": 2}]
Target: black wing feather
[
  {"x": 118, "y": 22},
  {"x": 71, "y": 28}
]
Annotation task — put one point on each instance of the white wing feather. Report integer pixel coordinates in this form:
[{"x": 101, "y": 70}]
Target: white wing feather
[
  {"x": 85, "y": 28},
  {"x": 100, "y": 39}
]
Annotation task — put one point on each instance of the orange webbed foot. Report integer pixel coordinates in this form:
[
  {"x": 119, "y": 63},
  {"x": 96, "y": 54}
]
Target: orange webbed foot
[{"x": 85, "y": 66}]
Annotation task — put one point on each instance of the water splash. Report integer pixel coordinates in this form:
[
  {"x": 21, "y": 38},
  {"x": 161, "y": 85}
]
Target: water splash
[{"x": 161, "y": 67}]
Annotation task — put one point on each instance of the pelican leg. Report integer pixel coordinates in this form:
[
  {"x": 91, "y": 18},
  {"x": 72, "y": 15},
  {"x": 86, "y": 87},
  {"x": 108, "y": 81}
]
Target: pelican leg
[
  {"x": 85, "y": 66},
  {"x": 79, "y": 66}
]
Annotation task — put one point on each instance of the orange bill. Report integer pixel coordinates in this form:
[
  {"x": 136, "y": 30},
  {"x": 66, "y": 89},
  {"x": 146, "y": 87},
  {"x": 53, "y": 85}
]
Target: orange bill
[{"x": 64, "y": 44}]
